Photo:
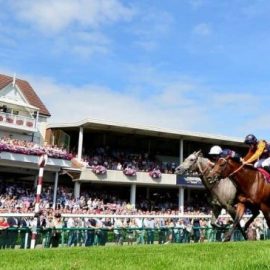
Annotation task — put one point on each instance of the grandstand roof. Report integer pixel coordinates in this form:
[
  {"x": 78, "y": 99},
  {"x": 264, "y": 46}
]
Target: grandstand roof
[
  {"x": 27, "y": 91},
  {"x": 94, "y": 124}
]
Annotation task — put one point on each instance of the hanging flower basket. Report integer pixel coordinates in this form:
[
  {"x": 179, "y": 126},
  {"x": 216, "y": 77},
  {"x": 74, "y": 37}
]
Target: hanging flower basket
[
  {"x": 29, "y": 124},
  {"x": 10, "y": 120},
  {"x": 155, "y": 174},
  {"x": 19, "y": 122},
  {"x": 99, "y": 169},
  {"x": 129, "y": 171}
]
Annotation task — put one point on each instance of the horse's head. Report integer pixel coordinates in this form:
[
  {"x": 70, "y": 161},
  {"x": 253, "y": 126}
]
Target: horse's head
[
  {"x": 189, "y": 164},
  {"x": 222, "y": 169}
]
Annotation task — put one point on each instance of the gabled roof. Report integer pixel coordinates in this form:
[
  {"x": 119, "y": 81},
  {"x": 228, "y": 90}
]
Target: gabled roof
[{"x": 27, "y": 91}]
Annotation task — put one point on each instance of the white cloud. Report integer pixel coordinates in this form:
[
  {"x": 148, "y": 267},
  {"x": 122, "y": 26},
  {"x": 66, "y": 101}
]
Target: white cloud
[
  {"x": 147, "y": 45},
  {"x": 175, "y": 104},
  {"x": 83, "y": 44},
  {"x": 52, "y": 16},
  {"x": 68, "y": 103},
  {"x": 151, "y": 28},
  {"x": 255, "y": 9},
  {"x": 75, "y": 27},
  {"x": 202, "y": 29},
  {"x": 240, "y": 102},
  {"x": 197, "y": 3}
]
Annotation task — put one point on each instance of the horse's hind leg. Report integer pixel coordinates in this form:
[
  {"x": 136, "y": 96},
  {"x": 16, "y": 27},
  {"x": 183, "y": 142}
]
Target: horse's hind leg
[
  {"x": 240, "y": 210},
  {"x": 266, "y": 212},
  {"x": 255, "y": 213}
]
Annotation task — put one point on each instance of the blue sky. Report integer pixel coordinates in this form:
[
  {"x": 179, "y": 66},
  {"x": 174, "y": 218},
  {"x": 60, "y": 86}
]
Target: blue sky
[{"x": 195, "y": 65}]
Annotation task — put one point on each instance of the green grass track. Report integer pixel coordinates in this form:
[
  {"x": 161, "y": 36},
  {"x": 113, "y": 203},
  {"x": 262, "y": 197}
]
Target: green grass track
[{"x": 218, "y": 256}]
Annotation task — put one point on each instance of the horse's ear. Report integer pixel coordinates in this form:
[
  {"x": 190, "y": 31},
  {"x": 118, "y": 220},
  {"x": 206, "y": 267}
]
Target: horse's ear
[{"x": 199, "y": 153}]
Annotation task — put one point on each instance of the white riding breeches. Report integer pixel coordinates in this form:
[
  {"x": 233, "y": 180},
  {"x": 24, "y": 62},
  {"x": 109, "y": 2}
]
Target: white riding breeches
[{"x": 262, "y": 162}]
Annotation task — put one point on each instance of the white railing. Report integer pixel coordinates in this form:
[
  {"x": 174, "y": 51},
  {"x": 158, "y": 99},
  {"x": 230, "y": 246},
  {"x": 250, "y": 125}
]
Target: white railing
[
  {"x": 17, "y": 121},
  {"x": 119, "y": 216}
]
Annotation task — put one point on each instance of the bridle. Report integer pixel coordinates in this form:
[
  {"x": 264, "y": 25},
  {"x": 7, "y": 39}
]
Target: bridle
[
  {"x": 202, "y": 171},
  {"x": 235, "y": 171}
]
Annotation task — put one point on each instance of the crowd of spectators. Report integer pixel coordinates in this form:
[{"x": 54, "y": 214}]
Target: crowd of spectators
[
  {"x": 120, "y": 159},
  {"x": 109, "y": 158},
  {"x": 18, "y": 197},
  {"x": 95, "y": 231},
  {"x": 9, "y": 144}
]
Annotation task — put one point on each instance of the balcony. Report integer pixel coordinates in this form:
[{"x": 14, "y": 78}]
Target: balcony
[
  {"x": 114, "y": 176},
  {"x": 8, "y": 159},
  {"x": 18, "y": 122}
]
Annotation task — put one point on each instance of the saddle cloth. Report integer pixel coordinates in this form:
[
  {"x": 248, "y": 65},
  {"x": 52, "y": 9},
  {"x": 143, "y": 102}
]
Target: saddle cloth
[{"x": 265, "y": 174}]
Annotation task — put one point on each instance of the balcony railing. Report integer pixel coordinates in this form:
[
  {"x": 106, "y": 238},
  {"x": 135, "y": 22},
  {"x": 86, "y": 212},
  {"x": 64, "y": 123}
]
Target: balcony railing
[{"x": 17, "y": 121}]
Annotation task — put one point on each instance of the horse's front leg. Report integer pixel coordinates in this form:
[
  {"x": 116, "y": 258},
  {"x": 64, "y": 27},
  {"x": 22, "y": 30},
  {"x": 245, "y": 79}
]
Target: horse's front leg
[
  {"x": 216, "y": 211},
  {"x": 231, "y": 210},
  {"x": 240, "y": 210}
]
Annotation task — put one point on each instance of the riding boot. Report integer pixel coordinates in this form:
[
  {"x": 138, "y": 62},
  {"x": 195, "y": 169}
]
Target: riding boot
[{"x": 267, "y": 168}]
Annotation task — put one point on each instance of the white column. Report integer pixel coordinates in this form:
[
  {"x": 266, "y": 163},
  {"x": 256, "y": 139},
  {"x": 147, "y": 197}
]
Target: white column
[
  {"x": 36, "y": 119},
  {"x": 77, "y": 187},
  {"x": 80, "y": 144},
  {"x": 53, "y": 139},
  {"x": 133, "y": 194},
  {"x": 55, "y": 189},
  {"x": 181, "y": 151},
  {"x": 181, "y": 200}
]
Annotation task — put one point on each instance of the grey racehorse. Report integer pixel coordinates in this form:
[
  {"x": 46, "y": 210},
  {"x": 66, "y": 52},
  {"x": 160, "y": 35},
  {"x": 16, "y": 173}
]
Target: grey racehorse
[{"x": 224, "y": 193}]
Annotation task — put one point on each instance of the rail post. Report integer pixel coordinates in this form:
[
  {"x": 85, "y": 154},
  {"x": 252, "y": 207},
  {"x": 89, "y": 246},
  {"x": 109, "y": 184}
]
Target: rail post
[{"x": 41, "y": 163}]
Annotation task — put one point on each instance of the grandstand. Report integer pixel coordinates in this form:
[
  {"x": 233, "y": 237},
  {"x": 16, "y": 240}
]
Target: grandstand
[
  {"x": 109, "y": 143},
  {"x": 99, "y": 175},
  {"x": 25, "y": 134},
  {"x": 23, "y": 120}
]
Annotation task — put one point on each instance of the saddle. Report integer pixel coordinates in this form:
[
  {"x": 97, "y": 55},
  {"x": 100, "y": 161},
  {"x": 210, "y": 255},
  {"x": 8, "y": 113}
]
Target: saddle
[{"x": 265, "y": 173}]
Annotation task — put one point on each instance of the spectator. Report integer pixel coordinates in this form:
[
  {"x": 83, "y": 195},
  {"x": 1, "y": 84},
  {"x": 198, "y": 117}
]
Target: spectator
[
  {"x": 12, "y": 234},
  {"x": 149, "y": 224},
  {"x": 56, "y": 233},
  {"x": 3, "y": 232}
]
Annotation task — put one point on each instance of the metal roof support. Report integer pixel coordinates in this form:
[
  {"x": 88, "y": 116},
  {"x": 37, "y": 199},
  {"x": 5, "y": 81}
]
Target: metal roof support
[
  {"x": 55, "y": 189},
  {"x": 181, "y": 200},
  {"x": 181, "y": 151},
  {"x": 133, "y": 194},
  {"x": 80, "y": 144},
  {"x": 77, "y": 189}
]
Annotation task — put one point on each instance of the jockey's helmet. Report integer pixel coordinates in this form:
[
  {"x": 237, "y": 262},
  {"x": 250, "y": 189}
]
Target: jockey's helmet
[
  {"x": 215, "y": 150},
  {"x": 250, "y": 139}
]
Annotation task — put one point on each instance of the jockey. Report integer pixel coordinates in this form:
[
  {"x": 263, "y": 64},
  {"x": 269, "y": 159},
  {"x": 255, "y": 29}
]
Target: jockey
[
  {"x": 215, "y": 152},
  {"x": 259, "y": 152}
]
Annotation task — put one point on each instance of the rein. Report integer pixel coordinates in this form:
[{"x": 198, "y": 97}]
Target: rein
[
  {"x": 235, "y": 171},
  {"x": 202, "y": 171},
  {"x": 208, "y": 184}
]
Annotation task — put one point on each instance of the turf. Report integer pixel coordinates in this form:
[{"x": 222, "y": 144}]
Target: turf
[{"x": 235, "y": 255}]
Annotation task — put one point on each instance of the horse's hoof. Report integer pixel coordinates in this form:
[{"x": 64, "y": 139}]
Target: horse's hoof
[{"x": 227, "y": 238}]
